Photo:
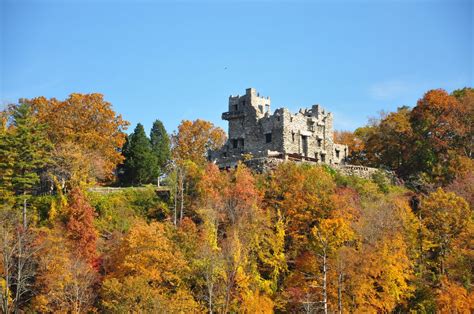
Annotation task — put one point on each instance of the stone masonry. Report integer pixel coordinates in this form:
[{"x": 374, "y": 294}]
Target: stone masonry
[{"x": 256, "y": 134}]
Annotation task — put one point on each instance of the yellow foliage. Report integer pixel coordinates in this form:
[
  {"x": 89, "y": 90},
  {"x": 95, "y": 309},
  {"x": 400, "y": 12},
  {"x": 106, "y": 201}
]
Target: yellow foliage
[{"x": 148, "y": 274}]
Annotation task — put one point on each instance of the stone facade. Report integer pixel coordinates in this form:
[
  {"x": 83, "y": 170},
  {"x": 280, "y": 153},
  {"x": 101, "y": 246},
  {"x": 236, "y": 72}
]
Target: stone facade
[{"x": 255, "y": 133}]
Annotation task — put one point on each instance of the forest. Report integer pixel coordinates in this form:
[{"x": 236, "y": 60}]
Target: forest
[{"x": 84, "y": 227}]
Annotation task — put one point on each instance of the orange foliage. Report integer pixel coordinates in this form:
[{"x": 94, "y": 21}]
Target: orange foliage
[
  {"x": 64, "y": 281},
  {"x": 453, "y": 298},
  {"x": 88, "y": 121},
  {"x": 303, "y": 195},
  {"x": 194, "y": 139}
]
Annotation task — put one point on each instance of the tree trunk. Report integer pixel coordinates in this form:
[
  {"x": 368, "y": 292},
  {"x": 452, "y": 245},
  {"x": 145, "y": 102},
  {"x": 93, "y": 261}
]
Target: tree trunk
[
  {"x": 325, "y": 292},
  {"x": 339, "y": 292},
  {"x": 181, "y": 183},
  {"x": 19, "y": 274},
  {"x": 24, "y": 210},
  {"x": 6, "y": 266},
  {"x": 210, "y": 289},
  {"x": 175, "y": 203}
]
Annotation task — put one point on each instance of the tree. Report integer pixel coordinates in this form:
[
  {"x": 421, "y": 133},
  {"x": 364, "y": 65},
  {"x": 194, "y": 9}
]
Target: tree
[
  {"x": 439, "y": 135},
  {"x": 17, "y": 263},
  {"x": 241, "y": 256},
  {"x": 391, "y": 142},
  {"x": 160, "y": 144},
  {"x": 148, "y": 275},
  {"x": 453, "y": 298},
  {"x": 88, "y": 122},
  {"x": 328, "y": 236},
  {"x": 194, "y": 139},
  {"x": 466, "y": 97},
  {"x": 354, "y": 143},
  {"x": 379, "y": 266},
  {"x": 302, "y": 194},
  {"x": 190, "y": 146},
  {"x": 79, "y": 226},
  {"x": 24, "y": 153},
  {"x": 446, "y": 216},
  {"x": 64, "y": 281},
  {"x": 140, "y": 164}
]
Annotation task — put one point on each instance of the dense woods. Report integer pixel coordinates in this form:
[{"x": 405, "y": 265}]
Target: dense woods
[{"x": 302, "y": 238}]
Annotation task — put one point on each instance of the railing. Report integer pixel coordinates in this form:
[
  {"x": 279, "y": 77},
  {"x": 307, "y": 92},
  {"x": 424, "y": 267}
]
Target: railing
[
  {"x": 229, "y": 115},
  {"x": 107, "y": 190}
]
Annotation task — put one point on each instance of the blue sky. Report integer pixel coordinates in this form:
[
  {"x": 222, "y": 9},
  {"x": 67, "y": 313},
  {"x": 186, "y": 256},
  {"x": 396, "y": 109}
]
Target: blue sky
[{"x": 181, "y": 60}]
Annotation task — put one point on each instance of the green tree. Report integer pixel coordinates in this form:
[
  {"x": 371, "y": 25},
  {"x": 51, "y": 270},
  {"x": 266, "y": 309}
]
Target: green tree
[
  {"x": 140, "y": 165},
  {"x": 24, "y": 153},
  {"x": 160, "y": 144}
]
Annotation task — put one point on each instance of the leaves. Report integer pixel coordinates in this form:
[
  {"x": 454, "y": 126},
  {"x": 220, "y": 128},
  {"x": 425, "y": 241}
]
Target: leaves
[{"x": 88, "y": 122}]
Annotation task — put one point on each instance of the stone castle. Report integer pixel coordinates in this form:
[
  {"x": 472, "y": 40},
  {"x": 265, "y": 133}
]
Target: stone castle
[{"x": 257, "y": 136}]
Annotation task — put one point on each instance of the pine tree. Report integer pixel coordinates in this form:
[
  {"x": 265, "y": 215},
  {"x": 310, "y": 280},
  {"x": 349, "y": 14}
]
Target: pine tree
[
  {"x": 140, "y": 166},
  {"x": 160, "y": 143},
  {"x": 24, "y": 153}
]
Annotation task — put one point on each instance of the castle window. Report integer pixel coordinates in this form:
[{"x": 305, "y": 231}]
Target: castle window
[
  {"x": 320, "y": 142},
  {"x": 260, "y": 107},
  {"x": 323, "y": 157},
  {"x": 293, "y": 136},
  {"x": 234, "y": 143},
  {"x": 268, "y": 137},
  {"x": 235, "y": 107},
  {"x": 337, "y": 153},
  {"x": 243, "y": 103}
]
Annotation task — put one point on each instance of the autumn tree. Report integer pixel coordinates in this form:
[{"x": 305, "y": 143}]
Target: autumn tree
[
  {"x": 466, "y": 98},
  {"x": 446, "y": 216},
  {"x": 354, "y": 143},
  {"x": 79, "y": 225},
  {"x": 149, "y": 274},
  {"x": 86, "y": 133},
  {"x": 17, "y": 263},
  {"x": 439, "y": 134},
  {"x": 241, "y": 269},
  {"x": 379, "y": 269},
  {"x": 328, "y": 236},
  {"x": 64, "y": 280},
  {"x": 209, "y": 264},
  {"x": 194, "y": 139},
  {"x": 303, "y": 195},
  {"x": 190, "y": 145},
  {"x": 391, "y": 144}
]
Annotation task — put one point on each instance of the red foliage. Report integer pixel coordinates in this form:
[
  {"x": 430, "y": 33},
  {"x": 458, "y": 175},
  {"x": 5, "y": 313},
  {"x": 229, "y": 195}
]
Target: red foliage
[{"x": 80, "y": 226}]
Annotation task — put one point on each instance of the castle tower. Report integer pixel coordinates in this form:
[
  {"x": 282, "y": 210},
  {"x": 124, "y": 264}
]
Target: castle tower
[{"x": 243, "y": 115}]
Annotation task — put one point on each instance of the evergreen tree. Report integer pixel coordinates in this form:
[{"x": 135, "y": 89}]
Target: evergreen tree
[
  {"x": 160, "y": 143},
  {"x": 24, "y": 153},
  {"x": 140, "y": 166}
]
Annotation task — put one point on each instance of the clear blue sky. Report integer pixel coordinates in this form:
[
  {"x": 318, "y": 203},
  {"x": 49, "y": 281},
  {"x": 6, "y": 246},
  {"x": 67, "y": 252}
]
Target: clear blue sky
[{"x": 181, "y": 60}]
